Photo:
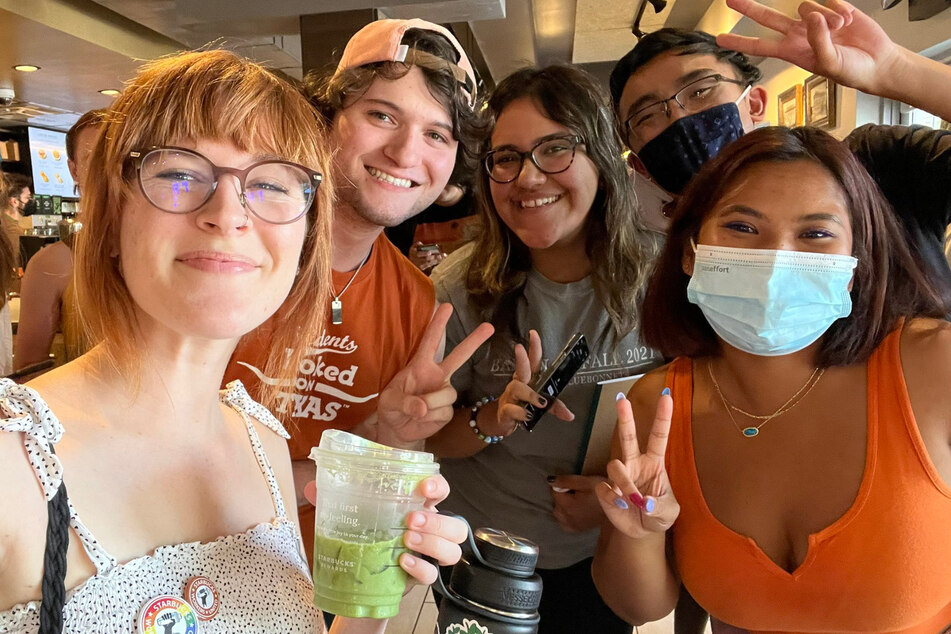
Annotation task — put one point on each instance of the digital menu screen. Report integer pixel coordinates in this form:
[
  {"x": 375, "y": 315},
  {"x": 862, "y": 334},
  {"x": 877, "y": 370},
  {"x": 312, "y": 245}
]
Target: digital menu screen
[{"x": 48, "y": 154}]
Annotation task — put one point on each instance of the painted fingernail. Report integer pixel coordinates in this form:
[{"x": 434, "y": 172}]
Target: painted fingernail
[
  {"x": 636, "y": 498},
  {"x": 621, "y": 504},
  {"x": 649, "y": 505},
  {"x": 666, "y": 392},
  {"x": 550, "y": 479},
  {"x": 542, "y": 401},
  {"x": 619, "y": 396}
]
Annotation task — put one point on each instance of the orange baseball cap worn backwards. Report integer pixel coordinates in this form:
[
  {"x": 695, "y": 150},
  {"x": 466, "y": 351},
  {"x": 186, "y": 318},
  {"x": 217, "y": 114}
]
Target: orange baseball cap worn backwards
[{"x": 381, "y": 41}]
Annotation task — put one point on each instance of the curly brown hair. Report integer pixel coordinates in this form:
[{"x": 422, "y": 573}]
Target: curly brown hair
[{"x": 330, "y": 93}]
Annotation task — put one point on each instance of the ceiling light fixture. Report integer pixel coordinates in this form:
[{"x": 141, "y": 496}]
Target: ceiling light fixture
[
  {"x": 109, "y": 92},
  {"x": 26, "y": 68}
]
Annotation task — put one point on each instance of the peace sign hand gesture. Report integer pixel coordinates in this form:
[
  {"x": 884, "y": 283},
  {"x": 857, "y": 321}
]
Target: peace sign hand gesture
[
  {"x": 836, "y": 41},
  {"x": 418, "y": 401},
  {"x": 517, "y": 393},
  {"x": 640, "y": 502}
]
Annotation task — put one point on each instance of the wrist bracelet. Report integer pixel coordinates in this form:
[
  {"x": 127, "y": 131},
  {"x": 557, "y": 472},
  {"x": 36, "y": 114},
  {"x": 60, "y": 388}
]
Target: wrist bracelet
[{"x": 487, "y": 439}]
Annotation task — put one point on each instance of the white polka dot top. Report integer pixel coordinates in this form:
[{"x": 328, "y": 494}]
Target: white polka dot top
[{"x": 261, "y": 577}]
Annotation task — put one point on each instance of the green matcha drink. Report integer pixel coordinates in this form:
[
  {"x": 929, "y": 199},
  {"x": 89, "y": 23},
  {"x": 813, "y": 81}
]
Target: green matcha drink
[
  {"x": 364, "y": 492},
  {"x": 370, "y": 571}
]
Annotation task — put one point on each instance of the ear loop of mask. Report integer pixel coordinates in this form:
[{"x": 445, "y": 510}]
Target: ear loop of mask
[{"x": 744, "y": 94}]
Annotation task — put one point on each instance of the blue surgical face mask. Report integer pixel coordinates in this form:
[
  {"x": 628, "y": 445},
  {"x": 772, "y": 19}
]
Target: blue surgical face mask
[
  {"x": 676, "y": 154},
  {"x": 770, "y": 303}
]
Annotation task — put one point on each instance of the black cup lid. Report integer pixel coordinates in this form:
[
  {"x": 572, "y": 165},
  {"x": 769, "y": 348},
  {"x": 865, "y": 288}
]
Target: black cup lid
[{"x": 507, "y": 552}]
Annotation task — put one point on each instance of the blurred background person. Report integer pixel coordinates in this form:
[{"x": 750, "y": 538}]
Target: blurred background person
[
  {"x": 47, "y": 296},
  {"x": 17, "y": 201}
]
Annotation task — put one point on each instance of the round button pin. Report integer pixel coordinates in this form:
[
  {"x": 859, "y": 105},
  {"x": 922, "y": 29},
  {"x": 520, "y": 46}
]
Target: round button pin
[
  {"x": 166, "y": 614},
  {"x": 203, "y": 596}
]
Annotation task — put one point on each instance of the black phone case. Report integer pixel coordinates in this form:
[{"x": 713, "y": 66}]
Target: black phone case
[{"x": 557, "y": 377}]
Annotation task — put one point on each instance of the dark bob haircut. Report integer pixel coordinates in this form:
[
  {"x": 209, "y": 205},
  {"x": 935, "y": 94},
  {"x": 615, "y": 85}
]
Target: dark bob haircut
[
  {"x": 684, "y": 42},
  {"x": 888, "y": 283}
]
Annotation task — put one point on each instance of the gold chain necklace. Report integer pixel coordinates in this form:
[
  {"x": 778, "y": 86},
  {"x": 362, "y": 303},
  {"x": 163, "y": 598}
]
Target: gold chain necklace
[{"x": 753, "y": 431}]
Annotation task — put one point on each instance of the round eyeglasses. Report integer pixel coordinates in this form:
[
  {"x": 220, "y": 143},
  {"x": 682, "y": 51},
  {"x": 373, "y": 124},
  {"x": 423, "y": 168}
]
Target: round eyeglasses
[
  {"x": 697, "y": 96},
  {"x": 180, "y": 181},
  {"x": 551, "y": 156}
]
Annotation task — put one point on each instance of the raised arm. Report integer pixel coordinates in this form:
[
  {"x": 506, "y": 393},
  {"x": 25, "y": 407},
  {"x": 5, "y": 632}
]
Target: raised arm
[
  {"x": 630, "y": 567},
  {"x": 841, "y": 42}
]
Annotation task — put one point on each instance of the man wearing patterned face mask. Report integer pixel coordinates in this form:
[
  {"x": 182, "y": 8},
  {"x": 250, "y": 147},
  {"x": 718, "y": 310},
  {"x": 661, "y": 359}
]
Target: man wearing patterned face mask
[{"x": 680, "y": 99}]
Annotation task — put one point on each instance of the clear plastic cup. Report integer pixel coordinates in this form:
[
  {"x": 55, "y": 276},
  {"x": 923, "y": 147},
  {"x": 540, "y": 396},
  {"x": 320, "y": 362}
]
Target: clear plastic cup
[{"x": 364, "y": 492}]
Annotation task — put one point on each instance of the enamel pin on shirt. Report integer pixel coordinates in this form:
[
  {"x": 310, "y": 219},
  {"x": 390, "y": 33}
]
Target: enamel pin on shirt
[
  {"x": 202, "y": 596},
  {"x": 165, "y": 614}
]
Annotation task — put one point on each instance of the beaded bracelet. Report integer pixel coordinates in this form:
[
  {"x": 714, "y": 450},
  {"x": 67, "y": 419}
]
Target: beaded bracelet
[{"x": 487, "y": 439}]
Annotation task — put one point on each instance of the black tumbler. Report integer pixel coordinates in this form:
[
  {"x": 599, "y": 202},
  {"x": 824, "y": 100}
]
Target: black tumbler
[{"x": 493, "y": 589}]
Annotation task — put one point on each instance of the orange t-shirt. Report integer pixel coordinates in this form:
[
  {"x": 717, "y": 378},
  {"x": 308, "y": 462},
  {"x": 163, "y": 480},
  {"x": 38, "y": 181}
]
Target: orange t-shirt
[
  {"x": 385, "y": 312},
  {"x": 884, "y": 566}
]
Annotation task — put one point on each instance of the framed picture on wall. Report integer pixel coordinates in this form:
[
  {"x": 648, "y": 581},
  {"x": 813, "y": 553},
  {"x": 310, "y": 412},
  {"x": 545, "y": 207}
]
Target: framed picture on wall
[
  {"x": 820, "y": 101},
  {"x": 790, "y": 107}
]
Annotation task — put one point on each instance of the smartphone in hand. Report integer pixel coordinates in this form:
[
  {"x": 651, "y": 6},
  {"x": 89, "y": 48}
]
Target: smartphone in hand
[{"x": 556, "y": 378}]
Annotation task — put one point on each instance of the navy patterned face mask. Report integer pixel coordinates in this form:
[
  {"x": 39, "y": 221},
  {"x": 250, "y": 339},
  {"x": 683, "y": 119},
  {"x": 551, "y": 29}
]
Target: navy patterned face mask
[{"x": 677, "y": 153}]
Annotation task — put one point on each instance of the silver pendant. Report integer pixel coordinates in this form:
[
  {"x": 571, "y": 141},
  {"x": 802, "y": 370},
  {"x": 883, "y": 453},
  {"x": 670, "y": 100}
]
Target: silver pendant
[{"x": 336, "y": 311}]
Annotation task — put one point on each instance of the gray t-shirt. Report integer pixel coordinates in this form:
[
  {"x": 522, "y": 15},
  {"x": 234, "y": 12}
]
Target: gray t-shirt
[{"x": 504, "y": 486}]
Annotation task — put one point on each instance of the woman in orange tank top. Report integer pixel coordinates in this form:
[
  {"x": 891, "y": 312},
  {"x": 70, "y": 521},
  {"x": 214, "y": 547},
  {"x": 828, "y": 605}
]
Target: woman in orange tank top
[{"x": 805, "y": 448}]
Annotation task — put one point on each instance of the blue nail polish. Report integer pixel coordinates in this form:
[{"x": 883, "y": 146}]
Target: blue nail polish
[
  {"x": 666, "y": 392},
  {"x": 619, "y": 396},
  {"x": 649, "y": 505},
  {"x": 621, "y": 504}
]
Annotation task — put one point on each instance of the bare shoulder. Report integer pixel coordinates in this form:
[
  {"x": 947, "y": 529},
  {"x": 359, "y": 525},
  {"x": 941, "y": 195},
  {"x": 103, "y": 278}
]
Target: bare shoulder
[
  {"x": 926, "y": 365},
  {"x": 926, "y": 343},
  {"x": 68, "y": 388},
  {"x": 648, "y": 388},
  {"x": 278, "y": 454},
  {"x": 274, "y": 444},
  {"x": 55, "y": 259},
  {"x": 22, "y": 521}
]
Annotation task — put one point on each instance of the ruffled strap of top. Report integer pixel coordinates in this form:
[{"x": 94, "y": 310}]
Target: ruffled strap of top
[
  {"x": 23, "y": 410},
  {"x": 237, "y": 398}
]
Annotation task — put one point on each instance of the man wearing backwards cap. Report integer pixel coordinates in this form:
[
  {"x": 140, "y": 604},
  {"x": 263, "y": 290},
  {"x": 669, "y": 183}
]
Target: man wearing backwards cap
[{"x": 400, "y": 109}]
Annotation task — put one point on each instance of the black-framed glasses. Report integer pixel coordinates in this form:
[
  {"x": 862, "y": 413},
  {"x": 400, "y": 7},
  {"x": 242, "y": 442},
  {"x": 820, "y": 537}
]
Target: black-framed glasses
[
  {"x": 551, "y": 156},
  {"x": 697, "y": 96},
  {"x": 180, "y": 181}
]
